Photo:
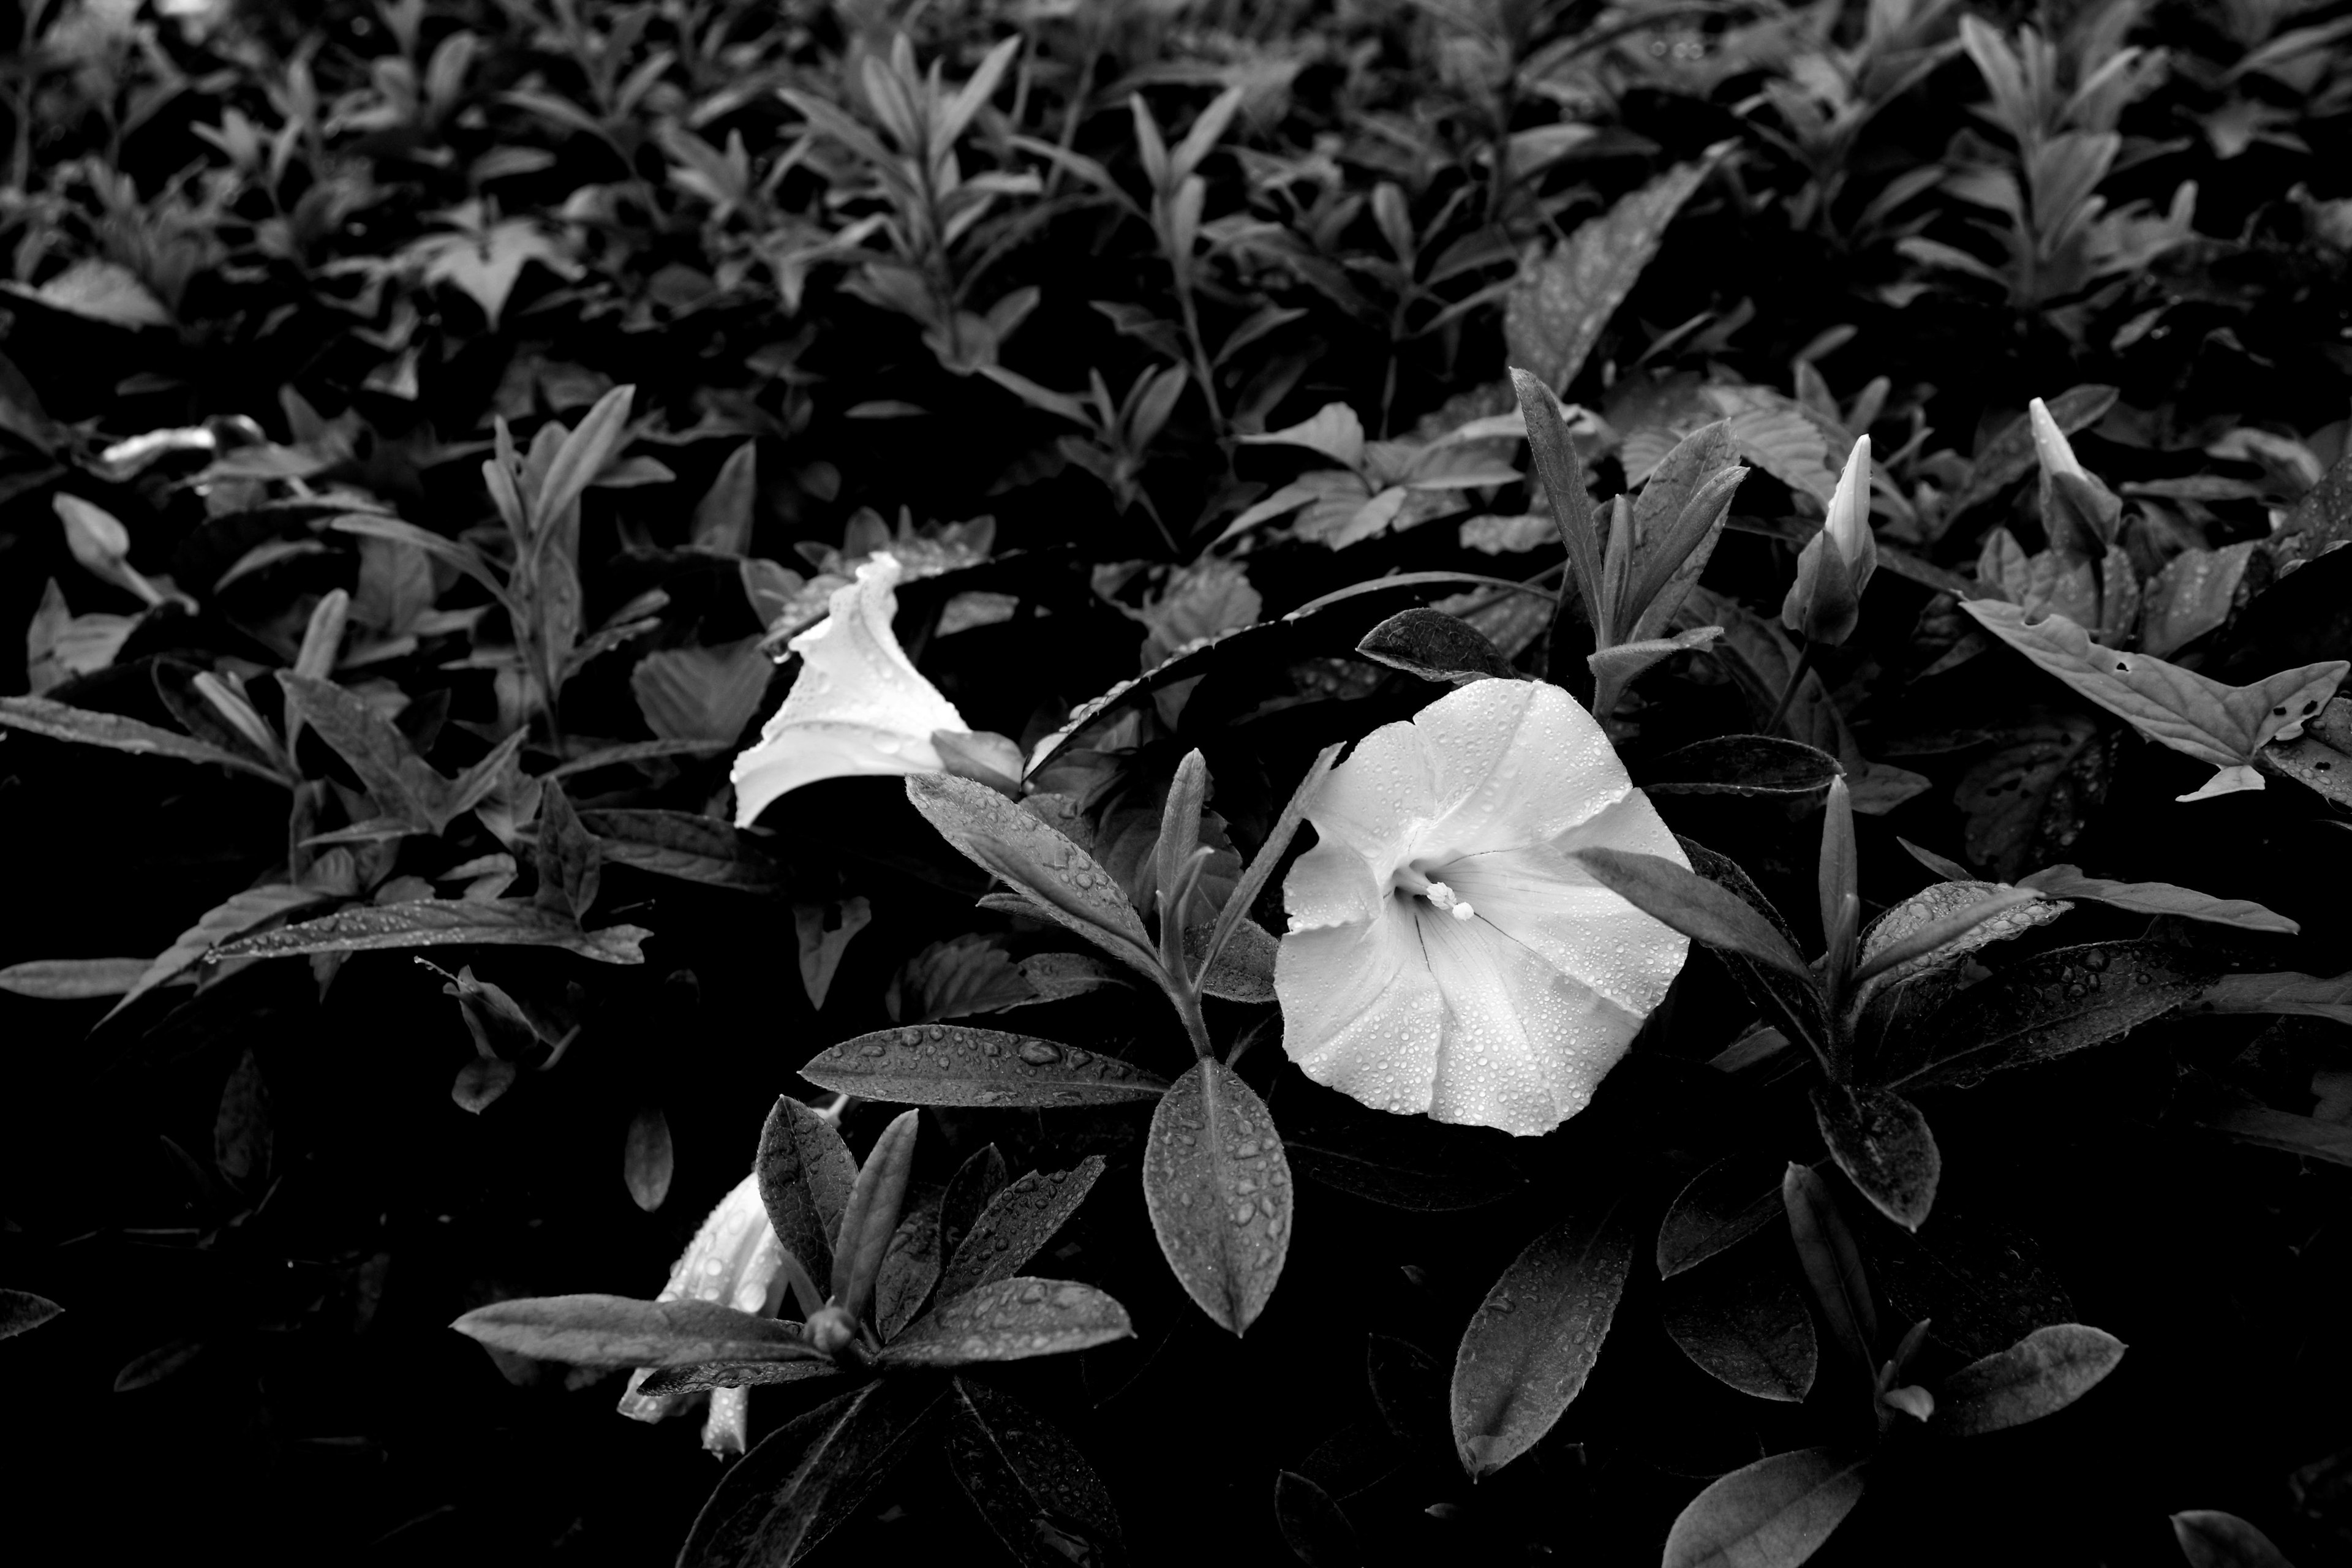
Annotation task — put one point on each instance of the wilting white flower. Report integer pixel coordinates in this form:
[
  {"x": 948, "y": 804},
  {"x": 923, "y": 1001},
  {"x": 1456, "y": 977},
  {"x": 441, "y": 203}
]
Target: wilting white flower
[
  {"x": 1825, "y": 601},
  {"x": 1444, "y": 953},
  {"x": 858, "y": 706},
  {"x": 735, "y": 1260}
]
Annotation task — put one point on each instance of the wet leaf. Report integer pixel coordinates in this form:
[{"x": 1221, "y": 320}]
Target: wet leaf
[
  {"x": 2159, "y": 899},
  {"x": 440, "y": 922},
  {"x": 1775, "y": 1513},
  {"x": 869, "y": 1217},
  {"x": 1832, "y": 1263},
  {"x": 1011, "y": 1319},
  {"x": 948, "y": 1064},
  {"x": 1743, "y": 764},
  {"x": 1019, "y": 1220},
  {"x": 73, "y": 979},
  {"x": 1883, "y": 1144},
  {"x": 2042, "y": 1008},
  {"x": 664, "y": 1383},
  {"x": 2041, "y": 1374},
  {"x": 21, "y": 1311},
  {"x": 1029, "y": 1481},
  {"x": 911, "y": 1268},
  {"x": 2010, "y": 455},
  {"x": 1747, "y": 1328},
  {"x": 613, "y": 1331},
  {"x": 1410, "y": 1388},
  {"x": 970, "y": 1191},
  {"x": 1563, "y": 300},
  {"x": 805, "y": 1174},
  {"x": 241, "y": 1133},
  {"x": 1694, "y": 906},
  {"x": 1435, "y": 647},
  {"x": 1724, "y": 1205},
  {"x": 221, "y": 925},
  {"x": 60, "y": 721},
  {"x": 2211, "y": 1539},
  {"x": 1792, "y": 1003},
  {"x": 1217, "y": 1183},
  {"x": 1981, "y": 1285},
  {"x": 2032, "y": 795},
  {"x": 1313, "y": 1525},
  {"x": 1534, "y": 1340}
]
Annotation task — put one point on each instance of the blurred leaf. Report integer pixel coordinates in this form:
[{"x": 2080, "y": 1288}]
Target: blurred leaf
[
  {"x": 1775, "y": 1513},
  {"x": 101, "y": 292},
  {"x": 702, "y": 693},
  {"x": 152, "y": 1367},
  {"x": 2041, "y": 1374},
  {"x": 60, "y": 722},
  {"x": 1724, "y": 1205},
  {"x": 681, "y": 844},
  {"x": 805, "y": 1173},
  {"x": 778, "y": 1502},
  {"x": 241, "y": 1133},
  {"x": 73, "y": 979},
  {"x": 2211, "y": 1539},
  {"x": 2192, "y": 596},
  {"x": 1745, "y": 1327},
  {"x": 957, "y": 978},
  {"x": 1742, "y": 765},
  {"x": 1831, "y": 1262},
  {"x": 1313, "y": 1525},
  {"x": 663, "y": 1383},
  {"x": 949, "y": 1063},
  {"x": 1019, "y": 1220},
  {"x": 2307, "y": 995},
  {"x": 21, "y": 1311},
  {"x": 1218, "y": 1188},
  {"x": 1434, "y": 647},
  {"x": 1533, "y": 1341},
  {"x": 1981, "y": 1284},
  {"x": 824, "y": 932},
  {"x": 613, "y": 1330},
  {"x": 440, "y": 922},
  {"x": 1011, "y": 1319},
  {"x": 723, "y": 517},
  {"x": 1029, "y": 1481},
  {"x": 647, "y": 1159},
  {"x": 2010, "y": 455},
  {"x": 2158, "y": 899},
  {"x": 2044, "y": 1007},
  {"x": 1563, "y": 300},
  {"x": 1883, "y": 1144}
]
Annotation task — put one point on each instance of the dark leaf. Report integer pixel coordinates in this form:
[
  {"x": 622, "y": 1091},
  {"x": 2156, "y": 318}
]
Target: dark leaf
[
  {"x": 1410, "y": 1387},
  {"x": 1435, "y": 647},
  {"x": 2031, "y": 797},
  {"x": 613, "y": 1331},
  {"x": 2158, "y": 899},
  {"x": 702, "y": 694},
  {"x": 1019, "y": 1220},
  {"x": 1561, "y": 472},
  {"x": 947, "y": 1064},
  {"x": 1269, "y": 855},
  {"x": 1775, "y": 1513},
  {"x": 403, "y": 784},
  {"x": 1011, "y": 1319},
  {"x": 911, "y": 1268},
  {"x": 59, "y": 722},
  {"x": 1743, "y": 764},
  {"x": 240, "y": 913},
  {"x": 969, "y": 1191},
  {"x": 2041, "y": 1374},
  {"x": 1218, "y": 1187},
  {"x": 241, "y": 1135},
  {"x": 1747, "y": 1327},
  {"x": 1677, "y": 518},
  {"x": 439, "y": 923},
  {"x": 667, "y": 1382},
  {"x": 1982, "y": 1285},
  {"x": 21, "y": 1311},
  {"x": 1724, "y": 1205},
  {"x": 1313, "y": 1525},
  {"x": 1883, "y": 1144},
  {"x": 1694, "y": 906},
  {"x": 824, "y": 932},
  {"x": 1791, "y": 1002},
  {"x": 2304, "y": 995},
  {"x": 571, "y": 866},
  {"x": 779, "y": 1501},
  {"x": 152, "y": 1367},
  {"x": 869, "y": 1217},
  {"x": 2042, "y": 1008},
  {"x": 1563, "y": 300},
  {"x": 2211, "y": 1539},
  {"x": 805, "y": 1174},
  {"x": 1831, "y": 1262},
  {"x": 1029, "y": 1481},
  {"x": 723, "y": 517},
  {"x": 648, "y": 1160},
  {"x": 1534, "y": 1340}
]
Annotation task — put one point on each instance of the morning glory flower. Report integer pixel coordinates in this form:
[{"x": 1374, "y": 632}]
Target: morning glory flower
[
  {"x": 858, "y": 706},
  {"x": 735, "y": 1260},
  {"x": 1445, "y": 956},
  {"x": 1825, "y": 601}
]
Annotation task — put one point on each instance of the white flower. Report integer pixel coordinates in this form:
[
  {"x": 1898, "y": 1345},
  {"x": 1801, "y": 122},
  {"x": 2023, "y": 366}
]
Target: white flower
[
  {"x": 1444, "y": 954},
  {"x": 858, "y": 706},
  {"x": 735, "y": 1260},
  {"x": 1825, "y": 601}
]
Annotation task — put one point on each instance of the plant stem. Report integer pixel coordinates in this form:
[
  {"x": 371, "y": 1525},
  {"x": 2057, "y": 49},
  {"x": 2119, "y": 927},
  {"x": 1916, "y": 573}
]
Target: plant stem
[{"x": 1788, "y": 692}]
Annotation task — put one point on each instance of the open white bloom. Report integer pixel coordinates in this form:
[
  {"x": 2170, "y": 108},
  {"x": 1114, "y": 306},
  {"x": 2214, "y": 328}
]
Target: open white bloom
[
  {"x": 858, "y": 706},
  {"x": 735, "y": 1260},
  {"x": 1444, "y": 954}
]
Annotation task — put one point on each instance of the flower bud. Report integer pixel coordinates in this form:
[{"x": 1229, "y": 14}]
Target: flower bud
[
  {"x": 2079, "y": 514},
  {"x": 831, "y": 1330},
  {"x": 1825, "y": 601}
]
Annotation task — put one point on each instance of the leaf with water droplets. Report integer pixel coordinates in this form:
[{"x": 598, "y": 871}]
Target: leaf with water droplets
[
  {"x": 1217, "y": 1183},
  {"x": 869, "y": 1217},
  {"x": 681, "y": 844},
  {"x": 911, "y": 1266},
  {"x": 1883, "y": 1144},
  {"x": 667, "y": 1382},
  {"x": 778, "y": 1502},
  {"x": 1017, "y": 1222},
  {"x": 1533, "y": 1341},
  {"x": 1434, "y": 645},
  {"x": 439, "y": 923},
  {"x": 805, "y": 1173},
  {"x": 969, "y": 1191},
  {"x": 2159, "y": 899},
  {"x": 1029, "y": 1481},
  {"x": 1775, "y": 1513},
  {"x": 2044, "y": 1007},
  {"x": 1725, "y": 1204},
  {"x": 613, "y": 1331},
  {"x": 945, "y": 1064},
  {"x": 1062, "y": 881},
  {"x": 1011, "y": 1319},
  {"x": 2041, "y": 1374},
  {"x": 1746, "y": 1328}
]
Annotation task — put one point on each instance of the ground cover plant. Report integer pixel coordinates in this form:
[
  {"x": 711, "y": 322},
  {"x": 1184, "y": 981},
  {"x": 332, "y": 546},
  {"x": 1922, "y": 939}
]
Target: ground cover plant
[{"x": 1342, "y": 781}]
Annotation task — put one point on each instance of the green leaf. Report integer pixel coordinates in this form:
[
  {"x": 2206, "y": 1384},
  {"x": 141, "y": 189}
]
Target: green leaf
[
  {"x": 2211, "y": 1539},
  {"x": 613, "y": 1330},
  {"x": 706, "y": 694},
  {"x": 1244, "y": 970},
  {"x": 2159, "y": 899},
  {"x": 1534, "y": 1340},
  {"x": 663, "y": 1383},
  {"x": 777, "y": 1503},
  {"x": 60, "y": 721},
  {"x": 648, "y": 1160},
  {"x": 947, "y": 1064},
  {"x": 1724, "y": 1205},
  {"x": 1746, "y": 1328},
  {"x": 1694, "y": 906},
  {"x": 2044, "y": 1007},
  {"x": 219, "y": 930},
  {"x": 1775, "y": 1513},
  {"x": 403, "y": 786},
  {"x": 582, "y": 457},
  {"x": 571, "y": 866},
  {"x": 805, "y": 1173},
  {"x": 1793, "y": 1003},
  {"x": 2033, "y": 794},
  {"x": 1569, "y": 493},
  {"x": 1313, "y": 1525},
  {"x": 2041, "y": 1374},
  {"x": 1563, "y": 300},
  {"x": 1218, "y": 1188},
  {"x": 724, "y": 516},
  {"x": 21, "y": 1312},
  {"x": 2307, "y": 995},
  {"x": 1677, "y": 518},
  {"x": 869, "y": 1217},
  {"x": 1434, "y": 645},
  {"x": 681, "y": 844},
  {"x": 969, "y": 1191},
  {"x": 1062, "y": 881},
  {"x": 1883, "y": 1144},
  {"x": 1017, "y": 1223},
  {"x": 1831, "y": 1262},
  {"x": 1941, "y": 924},
  {"x": 1029, "y": 1481},
  {"x": 73, "y": 979},
  {"x": 1011, "y": 1319},
  {"x": 440, "y": 922},
  {"x": 1742, "y": 765},
  {"x": 1262, "y": 863},
  {"x": 2282, "y": 1130},
  {"x": 911, "y": 1268}
]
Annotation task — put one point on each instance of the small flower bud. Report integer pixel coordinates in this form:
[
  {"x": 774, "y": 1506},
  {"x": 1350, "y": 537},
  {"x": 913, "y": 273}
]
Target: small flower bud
[
  {"x": 1825, "y": 601},
  {"x": 831, "y": 1330}
]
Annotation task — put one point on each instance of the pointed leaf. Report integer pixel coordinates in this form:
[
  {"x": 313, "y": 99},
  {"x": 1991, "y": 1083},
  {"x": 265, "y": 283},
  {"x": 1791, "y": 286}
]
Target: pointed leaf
[
  {"x": 1775, "y": 1513},
  {"x": 583, "y": 455},
  {"x": 2047, "y": 1007},
  {"x": 869, "y": 1217},
  {"x": 403, "y": 784},
  {"x": 681, "y": 844},
  {"x": 1831, "y": 1262},
  {"x": 2211, "y": 1539},
  {"x": 1882, "y": 1144},
  {"x": 1562, "y": 301},
  {"x": 439, "y": 923},
  {"x": 1018, "y": 1221},
  {"x": 1011, "y": 1319},
  {"x": 1435, "y": 647},
  {"x": 777, "y": 1503},
  {"x": 805, "y": 1174},
  {"x": 1029, "y": 1481},
  {"x": 1262, "y": 864},
  {"x": 1534, "y": 1340},
  {"x": 648, "y": 1160},
  {"x": 1694, "y": 906},
  {"x": 970, "y": 1191},
  {"x": 2159, "y": 899},
  {"x": 2041, "y": 1374},
  {"x": 1742, "y": 765},
  {"x": 1334, "y": 431},
  {"x": 1218, "y": 1188},
  {"x": 223, "y": 923},
  {"x": 1746, "y": 1328},
  {"x": 73, "y": 979},
  {"x": 613, "y": 1330},
  {"x": 1313, "y": 1525},
  {"x": 911, "y": 1268},
  {"x": 21, "y": 1311},
  {"x": 723, "y": 517},
  {"x": 1724, "y": 1205},
  {"x": 664, "y": 1383},
  {"x": 571, "y": 866},
  {"x": 821, "y": 944},
  {"x": 947, "y": 1064},
  {"x": 1561, "y": 472},
  {"x": 60, "y": 721}
]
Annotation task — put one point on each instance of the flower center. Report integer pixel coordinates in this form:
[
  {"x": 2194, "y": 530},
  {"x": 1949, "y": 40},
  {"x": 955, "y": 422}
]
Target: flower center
[{"x": 1410, "y": 881}]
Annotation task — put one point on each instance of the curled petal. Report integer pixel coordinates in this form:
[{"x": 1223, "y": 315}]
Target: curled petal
[
  {"x": 1332, "y": 885},
  {"x": 858, "y": 706}
]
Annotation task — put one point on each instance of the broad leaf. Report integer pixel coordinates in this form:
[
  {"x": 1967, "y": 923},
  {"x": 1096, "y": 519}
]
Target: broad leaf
[
  {"x": 1694, "y": 906},
  {"x": 2033, "y": 794},
  {"x": 1882, "y": 1144},
  {"x": 1677, "y": 518},
  {"x": 2044, "y": 1007},
  {"x": 805, "y": 1173},
  {"x": 613, "y": 1330},
  {"x": 1792, "y": 1003},
  {"x": 947, "y": 1064},
  {"x": 1029, "y": 1481},
  {"x": 2041, "y": 1374},
  {"x": 2159, "y": 899},
  {"x": 440, "y": 922},
  {"x": 1943, "y": 923},
  {"x": 1534, "y": 1340},
  {"x": 1565, "y": 486},
  {"x": 1435, "y": 647},
  {"x": 2307, "y": 995},
  {"x": 571, "y": 866},
  {"x": 1019, "y": 1220},
  {"x": 60, "y": 721},
  {"x": 1724, "y": 1205},
  {"x": 1775, "y": 1513},
  {"x": 403, "y": 784},
  {"x": 1218, "y": 1188},
  {"x": 1980, "y": 1283},
  {"x": 1011, "y": 1319},
  {"x": 869, "y": 1217},
  {"x": 1743, "y": 764},
  {"x": 2211, "y": 1539},
  {"x": 664, "y": 1383},
  {"x": 911, "y": 1266},
  {"x": 1745, "y": 1327}
]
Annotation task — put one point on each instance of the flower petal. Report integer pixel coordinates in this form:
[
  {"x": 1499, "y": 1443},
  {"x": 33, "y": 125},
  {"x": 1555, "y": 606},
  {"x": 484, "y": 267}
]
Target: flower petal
[
  {"x": 1332, "y": 885},
  {"x": 1525, "y": 1045},
  {"x": 735, "y": 1260},
  {"x": 1359, "y": 1010},
  {"x": 1374, "y": 801},
  {"x": 858, "y": 705},
  {"x": 1542, "y": 901},
  {"x": 1511, "y": 762}
]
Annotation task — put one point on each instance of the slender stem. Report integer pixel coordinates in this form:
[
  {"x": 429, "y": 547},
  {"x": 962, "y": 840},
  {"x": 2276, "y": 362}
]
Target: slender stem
[
  {"x": 1789, "y": 691},
  {"x": 1188, "y": 1006}
]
